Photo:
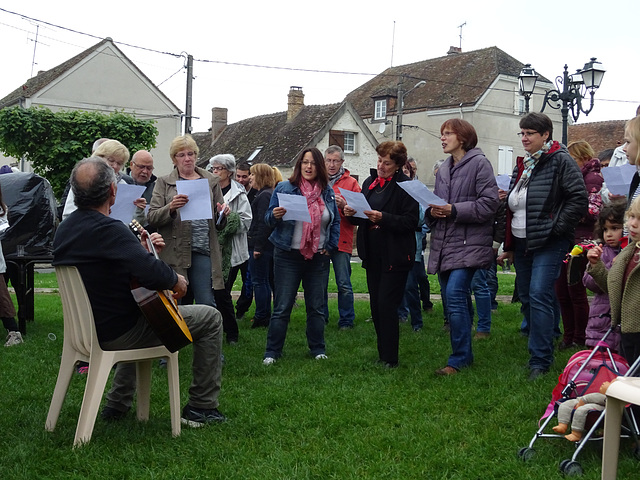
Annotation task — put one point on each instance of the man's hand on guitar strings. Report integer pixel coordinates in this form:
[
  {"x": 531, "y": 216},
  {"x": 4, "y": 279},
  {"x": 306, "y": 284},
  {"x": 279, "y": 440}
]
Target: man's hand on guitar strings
[{"x": 158, "y": 241}]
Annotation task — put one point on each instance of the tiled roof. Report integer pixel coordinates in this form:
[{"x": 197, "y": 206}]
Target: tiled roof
[
  {"x": 600, "y": 135},
  {"x": 452, "y": 80},
  {"x": 281, "y": 142}
]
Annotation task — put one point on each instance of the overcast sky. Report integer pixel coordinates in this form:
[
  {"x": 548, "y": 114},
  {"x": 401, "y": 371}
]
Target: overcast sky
[{"x": 302, "y": 41}]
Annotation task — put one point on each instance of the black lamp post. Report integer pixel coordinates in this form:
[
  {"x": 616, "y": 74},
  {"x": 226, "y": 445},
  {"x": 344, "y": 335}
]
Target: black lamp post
[
  {"x": 570, "y": 91},
  {"x": 401, "y": 95}
]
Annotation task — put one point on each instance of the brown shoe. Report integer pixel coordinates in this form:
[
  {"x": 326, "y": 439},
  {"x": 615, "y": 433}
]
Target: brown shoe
[
  {"x": 481, "y": 335},
  {"x": 446, "y": 371}
]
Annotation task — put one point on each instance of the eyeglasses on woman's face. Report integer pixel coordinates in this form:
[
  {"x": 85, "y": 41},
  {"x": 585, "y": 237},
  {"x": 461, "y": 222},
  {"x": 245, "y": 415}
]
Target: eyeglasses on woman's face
[
  {"x": 527, "y": 134},
  {"x": 185, "y": 154},
  {"x": 218, "y": 168}
]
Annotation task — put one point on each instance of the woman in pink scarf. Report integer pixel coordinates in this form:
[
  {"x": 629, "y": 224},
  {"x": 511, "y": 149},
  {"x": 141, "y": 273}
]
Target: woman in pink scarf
[{"x": 301, "y": 253}]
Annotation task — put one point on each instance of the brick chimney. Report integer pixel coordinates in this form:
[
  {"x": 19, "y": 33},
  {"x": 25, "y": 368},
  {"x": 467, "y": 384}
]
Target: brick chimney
[
  {"x": 295, "y": 103},
  {"x": 454, "y": 50},
  {"x": 218, "y": 122}
]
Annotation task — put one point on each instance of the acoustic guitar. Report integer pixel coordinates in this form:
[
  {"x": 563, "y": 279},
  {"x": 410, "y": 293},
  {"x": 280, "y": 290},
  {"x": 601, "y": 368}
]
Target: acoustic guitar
[{"x": 159, "y": 308}]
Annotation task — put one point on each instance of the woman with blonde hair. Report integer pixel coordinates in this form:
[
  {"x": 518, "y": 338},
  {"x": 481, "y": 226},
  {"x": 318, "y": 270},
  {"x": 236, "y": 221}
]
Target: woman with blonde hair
[
  {"x": 630, "y": 148},
  {"x": 116, "y": 155},
  {"x": 260, "y": 248},
  {"x": 192, "y": 247}
]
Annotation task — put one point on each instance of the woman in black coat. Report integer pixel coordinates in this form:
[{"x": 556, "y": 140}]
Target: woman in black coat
[{"x": 387, "y": 244}]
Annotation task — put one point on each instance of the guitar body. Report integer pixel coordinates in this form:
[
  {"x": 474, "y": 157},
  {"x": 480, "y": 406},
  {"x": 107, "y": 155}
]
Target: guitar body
[
  {"x": 164, "y": 317},
  {"x": 161, "y": 311}
]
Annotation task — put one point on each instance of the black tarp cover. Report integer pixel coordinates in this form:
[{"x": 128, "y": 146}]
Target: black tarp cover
[{"x": 32, "y": 213}]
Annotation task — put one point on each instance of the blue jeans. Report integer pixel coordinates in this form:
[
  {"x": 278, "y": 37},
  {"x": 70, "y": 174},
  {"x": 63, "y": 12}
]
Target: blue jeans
[
  {"x": 537, "y": 272},
  {"x": 342, "y": 269},
  {"x": 481, "y": 292},
  {"x": 290, "y": 268},
  {"x": 455, "y": 286},
  {"x": 199, "y": 276},
  {"x": 260, "y": 269},
  {"x": 411, "y": 300}
]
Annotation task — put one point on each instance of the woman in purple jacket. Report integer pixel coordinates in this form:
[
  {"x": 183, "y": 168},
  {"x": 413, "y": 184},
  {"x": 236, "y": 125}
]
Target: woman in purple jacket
[{"x": 461, "y": 230}]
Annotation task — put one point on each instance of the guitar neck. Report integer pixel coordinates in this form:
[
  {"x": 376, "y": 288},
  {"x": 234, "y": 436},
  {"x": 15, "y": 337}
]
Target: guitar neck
[{"x": 152, "y": 247}]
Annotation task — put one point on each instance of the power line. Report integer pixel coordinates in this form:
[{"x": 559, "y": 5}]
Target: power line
[{"x": 269, "y": 67}]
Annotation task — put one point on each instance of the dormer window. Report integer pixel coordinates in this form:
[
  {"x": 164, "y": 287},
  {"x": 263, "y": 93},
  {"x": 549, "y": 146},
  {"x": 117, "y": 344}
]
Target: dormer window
[
  {"x": 380, "y": 110},
  {"x": 254, "y": 154}
]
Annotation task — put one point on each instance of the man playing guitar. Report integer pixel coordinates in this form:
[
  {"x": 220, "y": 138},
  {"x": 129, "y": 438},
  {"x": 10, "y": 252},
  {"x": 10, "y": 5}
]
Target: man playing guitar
[{"x": 108, "y": 256}]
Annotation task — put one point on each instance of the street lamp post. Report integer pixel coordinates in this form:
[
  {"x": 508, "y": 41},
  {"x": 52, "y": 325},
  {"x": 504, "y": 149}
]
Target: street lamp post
[
  {"x": 570, "y": 91},
  {"x": 527, "y": 82},
  {"x": 401, "y": 95}
]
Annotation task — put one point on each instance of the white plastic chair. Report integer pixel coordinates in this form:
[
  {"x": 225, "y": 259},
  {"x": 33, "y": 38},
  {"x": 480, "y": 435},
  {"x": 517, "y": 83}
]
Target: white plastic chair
[
  {"x": 81, "y": 344},
  {"x": 623, "y": 391}
]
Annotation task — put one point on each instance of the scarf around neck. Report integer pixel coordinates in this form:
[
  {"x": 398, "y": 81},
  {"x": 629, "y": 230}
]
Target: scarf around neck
[
  {"x": 531, "y": 160},
  {"x": 334, "y": 178},
  {"x": 311, "y": 231}
]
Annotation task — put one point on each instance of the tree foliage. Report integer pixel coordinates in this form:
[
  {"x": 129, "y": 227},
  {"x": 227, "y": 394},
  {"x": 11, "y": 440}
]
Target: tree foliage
[{"x": 53, "y": 142}]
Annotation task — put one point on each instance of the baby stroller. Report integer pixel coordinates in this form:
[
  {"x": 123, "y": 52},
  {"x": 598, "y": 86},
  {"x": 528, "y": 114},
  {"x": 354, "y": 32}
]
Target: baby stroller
[{"x": 585, "y": 372}]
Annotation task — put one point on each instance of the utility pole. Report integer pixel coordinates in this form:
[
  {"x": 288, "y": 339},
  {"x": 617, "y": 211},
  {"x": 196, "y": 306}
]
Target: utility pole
[{"x": 188, "y": 108}]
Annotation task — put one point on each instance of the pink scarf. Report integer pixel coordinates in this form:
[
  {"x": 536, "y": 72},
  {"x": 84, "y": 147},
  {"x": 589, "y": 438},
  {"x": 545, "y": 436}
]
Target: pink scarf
[{"x": 311, "y": 231}]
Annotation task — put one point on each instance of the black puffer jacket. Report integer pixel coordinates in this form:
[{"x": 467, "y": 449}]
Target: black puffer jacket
[{"x": 556, "y": 198}]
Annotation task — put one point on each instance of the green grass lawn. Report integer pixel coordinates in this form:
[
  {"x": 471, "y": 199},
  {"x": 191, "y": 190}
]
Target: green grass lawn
[{"x": 344, "y": 418}]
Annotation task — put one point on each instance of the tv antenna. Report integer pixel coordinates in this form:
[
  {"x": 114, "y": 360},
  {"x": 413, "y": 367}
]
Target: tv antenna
[
  {"x": 393, "y": 41},
  {"x": 460, "y": 27}
]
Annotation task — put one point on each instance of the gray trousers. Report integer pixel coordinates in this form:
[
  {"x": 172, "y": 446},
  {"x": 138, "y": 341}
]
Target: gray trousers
[
  {"x": 205, "y": 324},
  {"x": 579, "y": 414}
]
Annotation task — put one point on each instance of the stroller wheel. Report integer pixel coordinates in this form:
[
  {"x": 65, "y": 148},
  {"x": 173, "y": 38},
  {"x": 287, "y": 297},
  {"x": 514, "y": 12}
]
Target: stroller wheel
[
  {"x": 526, "y": 453},
  {"x": 570, "y": 468}
]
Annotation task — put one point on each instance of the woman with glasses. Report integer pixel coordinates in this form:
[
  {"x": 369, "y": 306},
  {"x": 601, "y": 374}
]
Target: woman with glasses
[
  {"x": 233, "y": 238},
  {"x": 461, "y": 233},
  {"x": 301, "y": 252},
  {"x": 387, "y": 244},
  {"x": 546, "y": 200},
  {"x": 192, "y": 247}
]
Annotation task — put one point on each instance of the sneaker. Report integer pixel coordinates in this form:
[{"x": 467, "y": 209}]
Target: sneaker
[
  {"x": 268, "y": 361},
  {"x": 199, "y": 417},
  {"x": 402, "y": 319},
  {"x": 110, "y": 414},
  {"x": 321, "y": 356},
  {"x": 13, "y": 338},
  {"x": 481, "y": 335}
]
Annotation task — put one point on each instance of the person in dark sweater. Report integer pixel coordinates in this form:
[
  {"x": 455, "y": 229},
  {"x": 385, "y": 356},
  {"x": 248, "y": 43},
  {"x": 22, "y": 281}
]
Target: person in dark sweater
[{"x": 108, "y": 255}]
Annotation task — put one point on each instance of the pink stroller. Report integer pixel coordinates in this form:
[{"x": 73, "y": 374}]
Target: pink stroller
[{"x": 585, "y": 372}]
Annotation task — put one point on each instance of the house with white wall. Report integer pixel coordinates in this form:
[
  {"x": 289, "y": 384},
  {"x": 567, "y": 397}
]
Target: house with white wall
[
  {"x": 277, "y": 139},
  {"x": 479, "y": 86},
  {"x": 103, "y": 79}
]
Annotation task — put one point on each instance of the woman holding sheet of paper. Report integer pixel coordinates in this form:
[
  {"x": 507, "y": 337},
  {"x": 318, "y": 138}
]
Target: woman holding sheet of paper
[
  {"x": 461, "y": 231},
  {"x": 192, "y": 247},
  {"x": 386, "y": 244},
  {"x": 301, "y": 252}
]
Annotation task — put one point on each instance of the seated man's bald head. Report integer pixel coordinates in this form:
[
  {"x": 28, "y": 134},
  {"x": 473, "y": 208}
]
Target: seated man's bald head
[{"x": 91, "y": 179}]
